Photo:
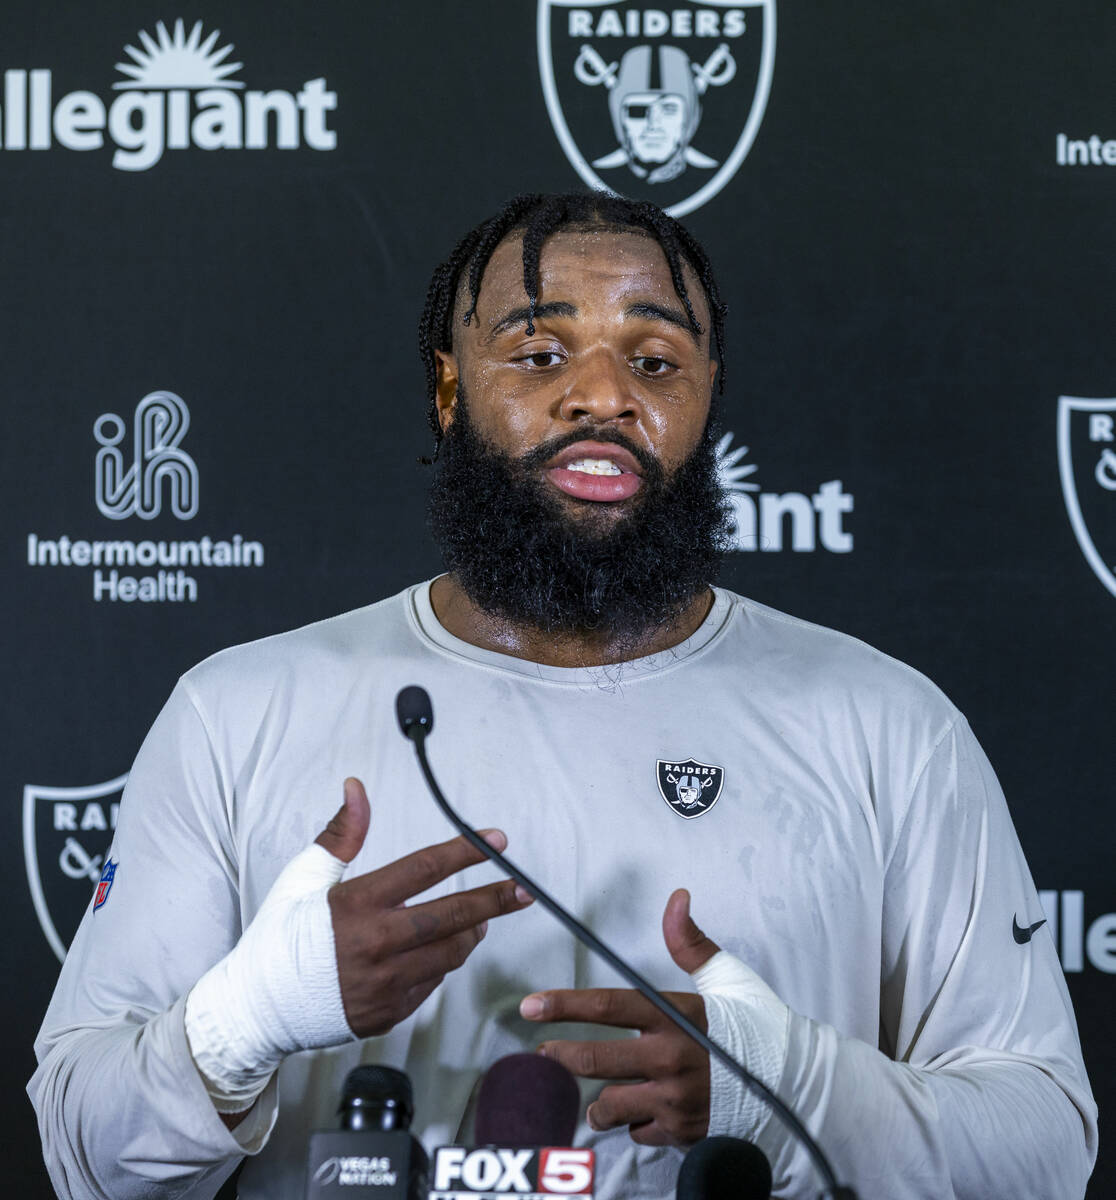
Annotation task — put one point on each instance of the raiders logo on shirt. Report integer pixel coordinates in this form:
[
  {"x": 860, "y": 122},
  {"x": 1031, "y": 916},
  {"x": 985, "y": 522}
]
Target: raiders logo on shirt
[{"x": 688, "y": 786}]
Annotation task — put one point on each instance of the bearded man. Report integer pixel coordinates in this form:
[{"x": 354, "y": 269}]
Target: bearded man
[{"x": 842, "y": 835}]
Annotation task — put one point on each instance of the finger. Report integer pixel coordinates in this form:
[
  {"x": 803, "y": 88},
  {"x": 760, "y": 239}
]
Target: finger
[
  {"x": 622, "y": 1104},
  {"x": 418, "y": 924},
  {"x": 416, "y": 968},
  {"x": 655, "y": 1115},
  {"x": 416, "y": 872},
  {"x": 620, "y": 1007},
  {"x": 624, "y": 1058},
  {"x": 688, "y": 946},
  {"x": 345, "y": 833}
]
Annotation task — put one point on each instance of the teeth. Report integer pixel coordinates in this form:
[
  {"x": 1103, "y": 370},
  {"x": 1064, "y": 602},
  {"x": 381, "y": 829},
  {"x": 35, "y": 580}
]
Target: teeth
[{"x": 594, "y": 466}]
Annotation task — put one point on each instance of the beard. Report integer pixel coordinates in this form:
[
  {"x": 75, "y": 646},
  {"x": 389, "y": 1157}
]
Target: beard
[{"x": 520, "y": 555}]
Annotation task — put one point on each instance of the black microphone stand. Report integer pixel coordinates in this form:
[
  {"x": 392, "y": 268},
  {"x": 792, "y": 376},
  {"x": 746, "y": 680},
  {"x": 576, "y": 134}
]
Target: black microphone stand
[{"x": 416, "y": 720}]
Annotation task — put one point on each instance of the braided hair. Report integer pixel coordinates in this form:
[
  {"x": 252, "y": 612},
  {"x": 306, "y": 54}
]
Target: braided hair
[{"x": 537, "y": 216}]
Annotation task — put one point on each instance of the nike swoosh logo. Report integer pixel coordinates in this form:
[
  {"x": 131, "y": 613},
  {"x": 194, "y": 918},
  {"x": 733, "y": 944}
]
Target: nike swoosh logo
[{"x": 1023, "y": 935}]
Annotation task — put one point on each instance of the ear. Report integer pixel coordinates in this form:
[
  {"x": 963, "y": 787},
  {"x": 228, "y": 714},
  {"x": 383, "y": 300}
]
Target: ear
[
  {"x": 713, "y": 365},
  {"x": 446, "y": 401}
]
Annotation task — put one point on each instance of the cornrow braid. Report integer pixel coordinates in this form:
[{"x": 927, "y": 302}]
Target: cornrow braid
[{"x": 537, "y": 216}]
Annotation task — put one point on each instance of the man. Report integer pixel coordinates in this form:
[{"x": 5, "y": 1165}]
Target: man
[{"x": 851, "y": 848}]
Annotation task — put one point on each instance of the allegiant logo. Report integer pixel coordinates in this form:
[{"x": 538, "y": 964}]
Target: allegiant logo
[{"x": 177, "y": 93}]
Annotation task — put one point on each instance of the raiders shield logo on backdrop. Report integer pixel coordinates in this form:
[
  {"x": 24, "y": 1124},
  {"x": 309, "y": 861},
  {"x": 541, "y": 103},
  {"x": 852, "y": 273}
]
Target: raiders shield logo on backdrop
[
  {"x": 66, "y": 832},
  {"x": 1087, "y": 464},
  {"x": 688, "y": 786},
  {"x": 659, "y": 104}
]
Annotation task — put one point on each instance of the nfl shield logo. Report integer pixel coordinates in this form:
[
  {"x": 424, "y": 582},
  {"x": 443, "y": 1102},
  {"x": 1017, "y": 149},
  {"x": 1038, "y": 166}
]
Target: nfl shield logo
[
  {"x": 1087, "y": 464},
  {"x": 688, "y": 786},
  {"x": 654, "y": 104},
  {"x": 66, "y": 833},
  {"x": 105, "y": 886}
]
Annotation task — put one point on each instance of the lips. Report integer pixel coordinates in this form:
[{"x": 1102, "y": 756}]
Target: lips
[{"x": 623, "y": 480}]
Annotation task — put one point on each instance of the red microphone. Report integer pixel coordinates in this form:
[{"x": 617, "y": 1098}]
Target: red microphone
[{"x": 527, "y": 1110}]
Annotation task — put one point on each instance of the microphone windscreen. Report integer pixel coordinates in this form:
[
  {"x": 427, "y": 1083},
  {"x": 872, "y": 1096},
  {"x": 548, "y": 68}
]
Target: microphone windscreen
[
  {"x": 526, "y": 1100},
  {"x": 724, "y": 1168},
  {"x": 384, "y": 1090},
  {"x": 413, "y": 707}
]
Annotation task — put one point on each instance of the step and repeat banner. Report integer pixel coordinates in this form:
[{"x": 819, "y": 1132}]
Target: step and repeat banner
[{"x": 217, "y": 226}]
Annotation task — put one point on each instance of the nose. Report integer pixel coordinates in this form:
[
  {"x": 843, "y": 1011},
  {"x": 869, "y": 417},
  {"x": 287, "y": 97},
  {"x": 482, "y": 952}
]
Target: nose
[{"x": 602, "y": 390}]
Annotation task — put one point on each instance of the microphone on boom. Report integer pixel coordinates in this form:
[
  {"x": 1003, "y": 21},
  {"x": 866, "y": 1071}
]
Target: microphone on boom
[{"x": 415, "y": 714}]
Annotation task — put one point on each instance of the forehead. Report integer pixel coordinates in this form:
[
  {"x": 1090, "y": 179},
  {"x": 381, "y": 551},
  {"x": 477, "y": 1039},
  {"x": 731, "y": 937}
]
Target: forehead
[{"x": 587, "y": 267}]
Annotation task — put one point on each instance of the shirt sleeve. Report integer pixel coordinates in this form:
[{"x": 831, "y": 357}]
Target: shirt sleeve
[
  {"x": 122, "y": 1110},
  {"x": 977, "y": 1089}
]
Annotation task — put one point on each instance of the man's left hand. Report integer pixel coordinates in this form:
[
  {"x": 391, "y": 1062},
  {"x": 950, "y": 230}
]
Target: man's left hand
[{"x": 666, "y": 1101}]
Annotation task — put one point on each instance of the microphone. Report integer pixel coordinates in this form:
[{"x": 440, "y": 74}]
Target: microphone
[
  {"x": 525, "y": 1120},
  {"x": 526, "y": 1100},
  {"x": 373, "y": 1153},
  {"x": 415, "y": 714},
  {"x": 724, "y": 1168}
]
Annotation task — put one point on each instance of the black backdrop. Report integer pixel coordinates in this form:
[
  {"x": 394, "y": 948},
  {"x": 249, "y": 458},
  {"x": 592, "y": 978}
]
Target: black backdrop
[{"x": 918, "y": 252}]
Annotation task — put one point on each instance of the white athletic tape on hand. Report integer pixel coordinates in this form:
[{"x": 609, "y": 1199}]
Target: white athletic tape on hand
[
  {"x": 276, "y": 991},
  {"x": 746, "y": 1018}
]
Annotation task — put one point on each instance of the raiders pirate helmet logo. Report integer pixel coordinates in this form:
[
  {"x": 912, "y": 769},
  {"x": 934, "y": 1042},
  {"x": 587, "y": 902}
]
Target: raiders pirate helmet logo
[
  {"x": 688, "y": 786},
  {"x": 657, "y": 104}
]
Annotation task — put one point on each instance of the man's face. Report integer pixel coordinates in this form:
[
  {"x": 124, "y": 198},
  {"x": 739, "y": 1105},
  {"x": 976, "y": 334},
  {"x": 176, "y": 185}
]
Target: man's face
[
  {"x": 654, "y": 124},
  {"x": 577, "y": 485},
  {"x": 610, "y": 376}
]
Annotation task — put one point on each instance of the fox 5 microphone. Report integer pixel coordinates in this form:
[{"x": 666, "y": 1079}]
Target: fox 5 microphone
[
  {"x": 526, "y": 1116},
  {"x": 373, "y": 1153}
]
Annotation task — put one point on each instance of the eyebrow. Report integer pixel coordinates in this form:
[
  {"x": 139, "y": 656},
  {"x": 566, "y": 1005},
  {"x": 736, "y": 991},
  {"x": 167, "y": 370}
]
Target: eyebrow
[
  {"x": 519, "y": 316},
  {"x": 658, "y": 312},
  {"x": 562, "y": 308}
]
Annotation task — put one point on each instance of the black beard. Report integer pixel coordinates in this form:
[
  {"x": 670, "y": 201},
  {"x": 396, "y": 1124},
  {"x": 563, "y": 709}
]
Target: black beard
[{"x": 519, "y": 556}]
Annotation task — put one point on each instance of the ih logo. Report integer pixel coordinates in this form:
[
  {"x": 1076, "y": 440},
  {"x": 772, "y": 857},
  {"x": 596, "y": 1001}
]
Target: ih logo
[
  {"x": 659, "y": 105},
  {"x": 1087, "y": 463},
  {"x": 689, "y": 787},
  {"x": 136, "y": 489},
  {"x": 66, "y": 832}
]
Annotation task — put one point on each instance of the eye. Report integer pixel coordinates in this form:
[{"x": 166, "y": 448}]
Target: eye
[
  {"x": 542, "y": 358},
  {"x": 650, "y": 364}
]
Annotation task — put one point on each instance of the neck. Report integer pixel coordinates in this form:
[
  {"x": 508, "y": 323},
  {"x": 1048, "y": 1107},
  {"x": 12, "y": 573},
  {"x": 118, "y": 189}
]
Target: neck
[{"x": 466, "y": 620}]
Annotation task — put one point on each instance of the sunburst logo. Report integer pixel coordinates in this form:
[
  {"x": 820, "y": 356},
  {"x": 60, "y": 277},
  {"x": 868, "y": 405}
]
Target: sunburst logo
[
  {"x": 730, "y": 471},
  {"x": 780, "y": 521},
  {"x": 178, "y": 61}
]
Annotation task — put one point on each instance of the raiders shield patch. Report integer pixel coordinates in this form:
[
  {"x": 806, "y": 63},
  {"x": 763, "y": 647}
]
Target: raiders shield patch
[{"x": 688, "y": 786}]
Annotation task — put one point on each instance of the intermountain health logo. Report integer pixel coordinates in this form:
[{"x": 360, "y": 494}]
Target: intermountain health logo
[
  {"x": 770, "y": 521},
  {"x": 178, "y": 92},
  {"x": 1087, "y": 465},
  {"x": 142, "y": 478},
  {"x": 658, "y": 104}
]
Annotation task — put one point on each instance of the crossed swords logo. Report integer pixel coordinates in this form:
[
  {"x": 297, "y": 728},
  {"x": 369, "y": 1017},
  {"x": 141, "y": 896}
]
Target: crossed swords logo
[
  {"x": 718, "y": 69},
  {"x": 77, "y": 864}
]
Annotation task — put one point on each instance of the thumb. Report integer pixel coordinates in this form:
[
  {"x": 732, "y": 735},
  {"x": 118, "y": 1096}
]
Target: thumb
[
  {"x": 344, "y": 835},
  {"x": 688, "y": 946}
]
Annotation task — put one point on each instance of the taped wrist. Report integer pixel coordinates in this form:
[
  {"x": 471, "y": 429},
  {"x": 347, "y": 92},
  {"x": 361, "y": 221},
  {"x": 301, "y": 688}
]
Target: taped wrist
[
  {"x": 275, "y": 992},
  {"x": 745, "y": 1017}
]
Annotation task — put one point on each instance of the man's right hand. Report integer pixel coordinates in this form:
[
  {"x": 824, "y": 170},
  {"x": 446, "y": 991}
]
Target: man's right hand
[
  {"x": 391, "y": 956},
  {"x": 323, "y": 960}
]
